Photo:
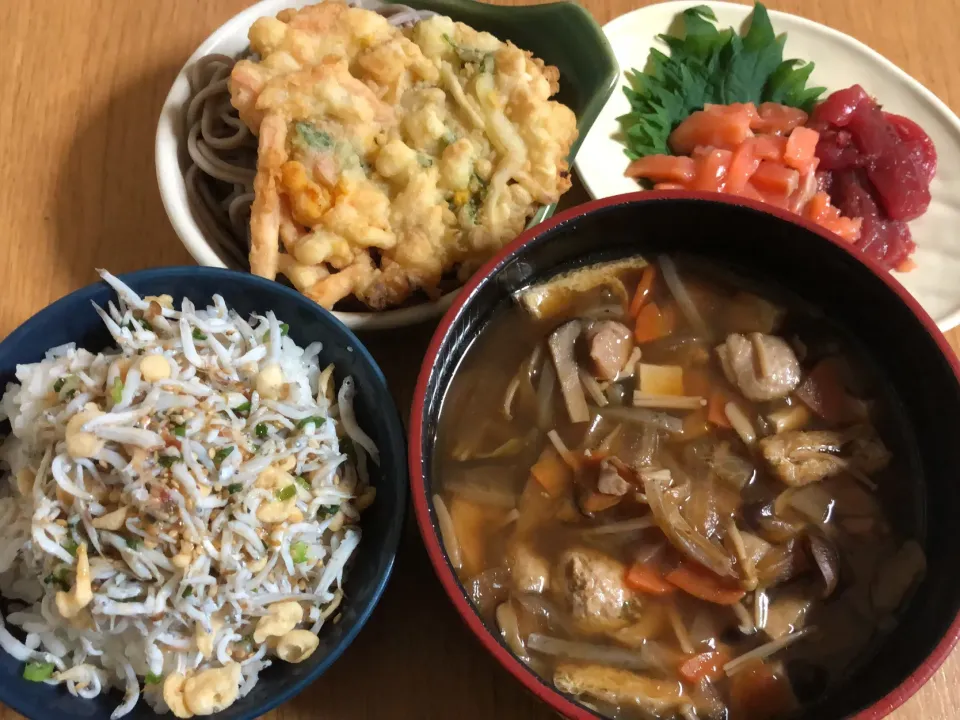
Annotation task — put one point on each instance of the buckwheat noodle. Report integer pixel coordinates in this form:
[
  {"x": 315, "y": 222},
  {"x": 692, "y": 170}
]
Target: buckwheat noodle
[{"x": 223, "y": 152}]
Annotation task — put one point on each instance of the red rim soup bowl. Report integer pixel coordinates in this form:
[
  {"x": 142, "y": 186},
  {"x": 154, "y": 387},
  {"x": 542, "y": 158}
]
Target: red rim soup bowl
[{"x": 788, "y": 253}]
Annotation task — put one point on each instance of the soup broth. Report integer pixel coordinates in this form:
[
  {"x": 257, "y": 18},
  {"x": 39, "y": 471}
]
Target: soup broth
[{"x": 670, "y": 492}]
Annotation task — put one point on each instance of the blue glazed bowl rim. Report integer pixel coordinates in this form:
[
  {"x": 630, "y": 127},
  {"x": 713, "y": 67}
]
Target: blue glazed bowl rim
[{"x": 87, "y": 293}]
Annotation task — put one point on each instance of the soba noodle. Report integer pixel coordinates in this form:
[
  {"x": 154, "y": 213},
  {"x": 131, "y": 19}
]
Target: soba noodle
[{"x": 223, "y": 152}]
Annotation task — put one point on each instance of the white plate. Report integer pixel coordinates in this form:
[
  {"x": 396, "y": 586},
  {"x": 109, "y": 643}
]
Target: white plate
[
  {"x": 171, "y": 161},
  {"x": 170, "y": 152},
  {"x": 840, "y": 61}
]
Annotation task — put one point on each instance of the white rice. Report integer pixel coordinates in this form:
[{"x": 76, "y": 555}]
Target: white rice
[{"x": 185, "y": 456}]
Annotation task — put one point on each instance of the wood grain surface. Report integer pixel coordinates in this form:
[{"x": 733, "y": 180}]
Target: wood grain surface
[{"x": 81, "y": 85}]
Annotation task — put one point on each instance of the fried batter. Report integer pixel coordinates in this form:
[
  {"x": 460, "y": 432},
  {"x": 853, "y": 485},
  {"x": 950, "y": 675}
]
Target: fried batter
[{"x": 390, "y": 157}]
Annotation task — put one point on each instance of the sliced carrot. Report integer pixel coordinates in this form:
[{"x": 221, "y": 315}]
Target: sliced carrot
[
  {"x": 644, "y": 288},
  {"x": 552, "y": 472},
  {"x": 906, "y": 265},
  {"x": 645, "y": 578},
  {"x": 715, "y": 408},
  {"x": 725, "y": 130},
  {"x": 696, "y": 580},
  {"x": 653, "y": 323},
  {"x": 801, "y": 150},
  {"x": 707, "y": 665},
  {"x": 742, "y": 167},
  {"x": 662, "y": 168},
  {"x": 768, "y": 147},
  {"x": 823, "y": 391},
  {"x": 756, "y": 692},
  {"x": 668, "y": 314},
  {"x": 535, "y": 507},
  {"x": 774, "y": 179},
  {"x": 712, "y": 167},
  {"x": 777, "y": 118}
]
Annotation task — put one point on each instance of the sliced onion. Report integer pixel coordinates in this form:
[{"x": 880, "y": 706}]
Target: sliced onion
[
  {"x": 741, "y": 423},
  {"x": 607, "y": 443},
  {"x": 548, "y": 380},
  {"x": 554, "y": 437},
  {"x": 746, "y": 562},
  {"x": 509, "y": 395},
  {"x": 813, "y": 501},
  {"x": 732, "y": 469},
  {"x": 588, "y": 652},
  {"x": 542, "y": 608},
  {"x": 679, "y": 291},
  {"x": 682, "y": 536},
  {"x": 703, "y": 630},
  {"x": 593, "y": 388},
  {"x": 482, "y": 493},
  {"x": 683, "y": 638},
  {"x": 510, "y": 629},
  {"x": 827, "y": 560},
  {"x": 765, "y": 650},
  {"x": 744, "y": 618},
  {"x": 643, "y": 416},
  {"x": 448, "y": 532},
  {"x": 624, "y": 526},
  {"x": 489, "y": 588}
]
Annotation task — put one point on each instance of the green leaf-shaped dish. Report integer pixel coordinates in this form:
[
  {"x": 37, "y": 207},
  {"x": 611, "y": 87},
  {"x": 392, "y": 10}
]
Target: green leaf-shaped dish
[{"x": 561, "y": 34}]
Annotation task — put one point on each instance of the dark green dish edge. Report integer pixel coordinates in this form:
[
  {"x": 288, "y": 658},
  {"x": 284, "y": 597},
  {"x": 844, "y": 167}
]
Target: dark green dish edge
[{"x": 563, "y": 34}]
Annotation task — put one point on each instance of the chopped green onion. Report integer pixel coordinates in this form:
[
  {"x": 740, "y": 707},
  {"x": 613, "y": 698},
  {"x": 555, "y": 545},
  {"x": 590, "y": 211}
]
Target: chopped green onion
[
  {"x": 180, "y": 430},
  {"x": 197, "y": 335},
  {"x": 287, "y": 492},
  {"x": 234, "y": 488},
  {"x": 59, "y": 578},
  {"x": 70, "y": 546},
  {"x": 222, "y": 454},
  {"x": 303, "y": 482},
  {"x": 58, "y": 385},
  {"x": 117, "y": 391},
  {"x": 262, "y": 430},
  {"x": 151, "y": 679},
  {"x": 145, "y": 325},
  {"x": 38, "y": 672},
  {"x": 328, "y": 509},
  {"x": 284, "y": 329},
  {"x": 188, "y": 592},
  {"x": 298, "y": 552},
  {"x": 134, "y": 542},
  {"x": 317, "y": 421},
  {"x": 242, "y": 409},
  {"x": 169, "y": 460}
]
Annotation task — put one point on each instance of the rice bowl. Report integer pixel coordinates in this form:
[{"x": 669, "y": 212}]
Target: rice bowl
[{"x": 148, "y": 551}]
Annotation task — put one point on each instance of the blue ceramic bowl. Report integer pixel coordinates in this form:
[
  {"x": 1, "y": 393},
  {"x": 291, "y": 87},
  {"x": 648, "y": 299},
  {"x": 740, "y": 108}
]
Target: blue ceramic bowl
[{"x": 72, "y": 319}]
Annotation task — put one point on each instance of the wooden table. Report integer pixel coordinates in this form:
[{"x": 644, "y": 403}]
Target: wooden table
[{"x": 81, "y": 86}]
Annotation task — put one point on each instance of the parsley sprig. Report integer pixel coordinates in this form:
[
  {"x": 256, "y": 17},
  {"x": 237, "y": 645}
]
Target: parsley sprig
[{"x": 710, "y": 66}]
